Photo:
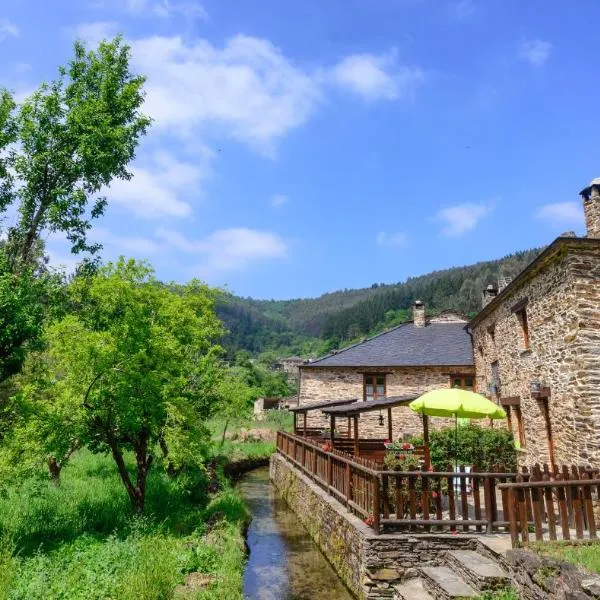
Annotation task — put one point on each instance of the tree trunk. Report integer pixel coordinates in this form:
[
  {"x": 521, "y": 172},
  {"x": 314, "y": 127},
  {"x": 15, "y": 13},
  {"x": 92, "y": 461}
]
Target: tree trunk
[
  {"x": 224, "y": 432},
  {"x": 171, "y": 470},
  {"x": 137, "y": 492},
  {"x": 54, "y": 468}
]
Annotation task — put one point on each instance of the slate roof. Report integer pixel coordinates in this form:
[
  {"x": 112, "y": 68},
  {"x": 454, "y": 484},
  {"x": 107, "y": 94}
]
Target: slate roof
[{"x": 437, "y": 344}]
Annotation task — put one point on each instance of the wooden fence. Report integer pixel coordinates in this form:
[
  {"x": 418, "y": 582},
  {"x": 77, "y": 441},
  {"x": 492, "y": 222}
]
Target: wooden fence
[
  {"x": 392, "y": 501},
  {"x": 352, "y": 481},
  {"x": 458, "y": 501},
  {"x": 553, "y": 504}
]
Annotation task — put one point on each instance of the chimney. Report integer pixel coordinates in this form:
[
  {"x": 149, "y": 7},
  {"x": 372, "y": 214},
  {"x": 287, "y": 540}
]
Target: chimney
[
  {"x": 418, "y": 314},
  {"x": 489, "y": 294},
  {"x": 591, "y": 208},
  {"x": 503, "y": 282}
]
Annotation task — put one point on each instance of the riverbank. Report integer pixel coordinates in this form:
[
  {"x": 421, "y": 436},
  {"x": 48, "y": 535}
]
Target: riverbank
[{"x": 81, "y": 540}]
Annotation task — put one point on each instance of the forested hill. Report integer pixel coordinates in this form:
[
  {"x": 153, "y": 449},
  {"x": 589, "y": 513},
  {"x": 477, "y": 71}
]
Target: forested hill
[{"x": 309, "y": 326}]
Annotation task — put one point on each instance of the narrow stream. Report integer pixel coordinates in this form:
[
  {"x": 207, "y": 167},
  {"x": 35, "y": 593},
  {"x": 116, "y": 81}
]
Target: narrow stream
[{"x": 284, "y": 563}]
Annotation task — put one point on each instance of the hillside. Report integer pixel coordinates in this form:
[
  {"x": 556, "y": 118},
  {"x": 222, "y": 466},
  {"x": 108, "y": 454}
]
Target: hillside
[{"x": 314, "y": 325}]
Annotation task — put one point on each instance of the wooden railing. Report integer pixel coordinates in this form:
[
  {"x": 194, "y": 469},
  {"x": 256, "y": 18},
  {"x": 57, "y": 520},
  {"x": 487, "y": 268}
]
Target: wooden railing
[
  {"x": 353, "y": 481},
  {"x": 553, "y": 504},
  {"x": 391, "y": 500},
  {"x": 458, "y": 501}
]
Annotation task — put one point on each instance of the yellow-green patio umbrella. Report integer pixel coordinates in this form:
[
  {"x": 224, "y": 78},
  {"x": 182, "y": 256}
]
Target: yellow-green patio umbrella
[
  {"x": 457, "y": 403},
  {"x": 454, "y": 402}
]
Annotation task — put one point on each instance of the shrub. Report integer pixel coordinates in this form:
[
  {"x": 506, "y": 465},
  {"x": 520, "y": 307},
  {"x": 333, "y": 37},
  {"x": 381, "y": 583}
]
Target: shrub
[{"x": 480, "y": 447}]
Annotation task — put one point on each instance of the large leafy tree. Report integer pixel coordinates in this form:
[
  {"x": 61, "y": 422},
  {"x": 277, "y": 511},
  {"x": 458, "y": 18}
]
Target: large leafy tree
[
  {"x": 68, "y": 141},
  {"x": 131, "y": 370},
  {"x": 58, "y": 150}
]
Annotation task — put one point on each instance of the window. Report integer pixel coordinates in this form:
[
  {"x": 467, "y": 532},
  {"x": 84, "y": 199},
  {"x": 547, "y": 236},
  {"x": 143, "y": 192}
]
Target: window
[
  {"x": 374, "y": 387},
  {"x": 495, "y": 383},
  {"x": 492, "y": 333},
  {"x": 521, "y": 429},
  {"x": 522, "y": 317},
  {"x": 464, "y": 382}
]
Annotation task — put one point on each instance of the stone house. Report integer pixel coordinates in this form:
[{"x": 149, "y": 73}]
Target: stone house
[
  {"x": 537, "y": 347},
  {"x": 411, "y": 358}
]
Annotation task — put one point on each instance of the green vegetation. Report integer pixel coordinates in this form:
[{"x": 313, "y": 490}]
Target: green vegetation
[
  {"x": 480, "y": 447},
  {"x": 83, "y": 540},
  {"x": 312, "y": 327},
  {"x": 579, "y": 553},
  {"x": 506, "y": 594}
]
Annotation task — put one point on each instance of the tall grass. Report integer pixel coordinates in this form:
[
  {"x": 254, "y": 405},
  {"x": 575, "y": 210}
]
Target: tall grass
[{"x": 81, "y": 540}]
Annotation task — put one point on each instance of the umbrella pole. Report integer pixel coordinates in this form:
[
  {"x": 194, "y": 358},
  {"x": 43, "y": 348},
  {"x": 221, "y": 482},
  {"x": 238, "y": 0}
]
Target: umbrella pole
[{"x": 455, "y": 441}]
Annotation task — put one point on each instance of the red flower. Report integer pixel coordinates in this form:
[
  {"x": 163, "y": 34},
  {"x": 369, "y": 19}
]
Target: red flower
[
  {"x": 326, "y": 448},
  {"x": 406, "y": 446},
  {"x": 370, "y": 521},
  {"x": 434, "y": 494},
  {"x": 387, "y": 441},
  {"x": 402, "y": 457}
]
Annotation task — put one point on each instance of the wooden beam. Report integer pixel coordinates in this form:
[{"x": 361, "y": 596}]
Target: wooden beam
[
  {"x": 304, "y": 424},
  {"x": 332, "y": 429},
  {"x": 390, "y": 432},
  {"x": 546, "y": 413},
  {"x": 295, "y": 424},
  {"x": 426, "y": 441},
  {"x": 510, "y": 401},
  {"x": 356, "y": 443},
  {"x": 349, "y": 432}
]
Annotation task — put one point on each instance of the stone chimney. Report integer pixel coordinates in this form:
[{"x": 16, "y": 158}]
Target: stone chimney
[
  {"x": 489, "y": 294},
  {"x": 418, "y": 314},
  {"x": 503, "y": 282},
  {"x": 591, "y": 208}
]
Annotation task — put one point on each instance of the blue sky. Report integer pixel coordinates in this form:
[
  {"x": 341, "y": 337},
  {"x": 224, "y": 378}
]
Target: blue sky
[{"x": 305, "y": 146}]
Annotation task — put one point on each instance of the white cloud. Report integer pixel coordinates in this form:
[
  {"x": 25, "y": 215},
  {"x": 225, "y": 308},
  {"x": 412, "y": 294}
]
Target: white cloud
[
  {"x": 561, "y": 213},
  {"x": 8, "y": 29},
  {"x": 377, "y": 77},
  {"x": 227, "y": 249},
  {"x": 155, "y": 190},
  {"x": 536, "y": 52},
  {"x": 393, "y": 240},
  {"x": 248, "y": 89},
  {"x": 279, "y": 200},
  {"x": 462, "y": 218},
  {"x": 94, "y": 32}
]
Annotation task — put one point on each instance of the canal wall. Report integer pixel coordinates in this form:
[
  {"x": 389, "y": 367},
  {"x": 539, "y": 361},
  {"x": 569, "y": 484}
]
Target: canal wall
[{"x": 370, "y": 565}]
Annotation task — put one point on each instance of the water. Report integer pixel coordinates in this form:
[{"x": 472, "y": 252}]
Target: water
[{"x": 284, "y": 563}]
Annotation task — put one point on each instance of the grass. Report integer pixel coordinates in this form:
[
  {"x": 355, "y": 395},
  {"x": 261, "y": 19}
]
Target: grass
[
  {"x": 81, "y": 540},
  {"x": 585, "y": 555},
  {"x": 506, "y": 594}
]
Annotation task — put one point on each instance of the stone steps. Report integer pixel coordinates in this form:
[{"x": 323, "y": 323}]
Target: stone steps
[
  {"x": 443, "y": 582},
  {"x": 412, "y": 589},
  {"x": 481, "y": 572}
]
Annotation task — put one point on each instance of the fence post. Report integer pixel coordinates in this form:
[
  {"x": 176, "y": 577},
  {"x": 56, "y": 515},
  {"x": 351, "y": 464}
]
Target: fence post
[
  {"x": 329, "y": 471},
  {"x": 487, "y": 498},
  {"x": 348, "y": 484},
  {"x": 376, "y": 504},
  {"x": 512, "y": 517}
]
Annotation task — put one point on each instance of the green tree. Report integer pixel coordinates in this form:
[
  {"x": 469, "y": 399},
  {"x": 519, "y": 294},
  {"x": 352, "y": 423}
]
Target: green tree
[
  {"x": 58, "y": 150},
  {"x": 68, "y": 141},
  {"x": 130, "y": 370}
]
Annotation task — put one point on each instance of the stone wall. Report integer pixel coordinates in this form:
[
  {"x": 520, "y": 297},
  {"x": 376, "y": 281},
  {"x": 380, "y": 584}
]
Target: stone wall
[
  {"x": 338, "y": 383},
  {"x": 552, "y": 323},
  {"x": 368, "y": 564},
  {"x": 544, "y": 578},
  {"x": 563, "y": 313}
]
